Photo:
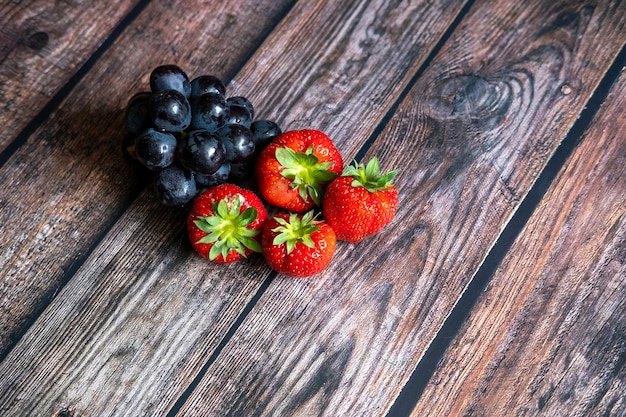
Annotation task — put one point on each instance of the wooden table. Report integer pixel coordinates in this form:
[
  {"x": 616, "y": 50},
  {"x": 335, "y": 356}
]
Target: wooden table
[{"x": 499, "y": 289}]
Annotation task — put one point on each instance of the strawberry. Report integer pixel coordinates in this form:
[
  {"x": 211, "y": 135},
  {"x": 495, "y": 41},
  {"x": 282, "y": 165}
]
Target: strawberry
[
  {"x": 297, "y": 245},
  {"x": 360, "y": 202},
  {"x": 293, "y": 170},
  {"x": 225, "y": 223}
]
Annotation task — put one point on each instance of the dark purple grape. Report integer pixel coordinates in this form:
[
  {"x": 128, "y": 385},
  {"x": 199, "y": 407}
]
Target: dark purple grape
[
  {"x": 170, "y": 111},
  {"x": 243, "y": 102},
  {"x": 239, "y": 115},
  {"x": 218, "y": 177},
  {"x": 138, "y": 113},
  {"x": 209, "y": 112},
  {"x": 170, "y": 77},
  {"x": 240, "y": 172},
  {"x": 155, "y": 150},
  {"x": 174, "y": 186},
  {"x": 207, "y": 84},
  {"x": 264, "y": 131},
  {"x": 238, "y": 142},
  {"x": 201, "y": 151}
]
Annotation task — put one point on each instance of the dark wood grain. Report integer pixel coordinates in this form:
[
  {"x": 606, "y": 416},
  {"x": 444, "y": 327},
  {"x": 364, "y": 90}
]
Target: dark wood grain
[
  {"x": 469, "y": 140},
  {"x": 135, "y": 321},
  {"x": 92, "y": 336},
  {"x": 338, "y": 66},
  {"x": 42, "y": 45},
  {"x": 68, "y": 183},
  {"x": 127, "y": 334},
  {"x": 547, "y": 337}
]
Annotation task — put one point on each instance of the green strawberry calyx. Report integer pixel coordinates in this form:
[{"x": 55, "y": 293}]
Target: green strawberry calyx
[
  {"x": 227, "y": 228},
  {"x": 298, "y": 229},
  {"x": 307, "y": 174},
  {"x": 369, "y": 176}
]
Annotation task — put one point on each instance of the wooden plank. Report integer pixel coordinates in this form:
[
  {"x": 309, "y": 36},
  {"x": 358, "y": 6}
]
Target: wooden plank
[
  {"x": 547, "y": 337},
  {"x": 469, "y": 140},
  {"x": 128, "y": 333},
  {"x": 343, "y": 80},
  {"x": 42, "y": 45},
  {"x": 140, "y": 318},
  {"x": 63, "y": 188}
]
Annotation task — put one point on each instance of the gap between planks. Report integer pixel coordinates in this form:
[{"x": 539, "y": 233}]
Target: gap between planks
[
  {"x": 260, "y": 293},
  {"x": 515, "y": 227},
  {"x": 359, "y": 155},
  {"x": 45, "y": 113},
  {"x": 426, "y": 367},
  {"x": 59, "y": 97}
]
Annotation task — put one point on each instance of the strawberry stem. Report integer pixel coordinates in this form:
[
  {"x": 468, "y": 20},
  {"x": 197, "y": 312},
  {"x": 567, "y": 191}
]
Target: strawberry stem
[
  {"x": 296, "y": 230},
  {"x": 227, "y": 228},
  {"x": 306, "y": 173},
  {"x": 369, "y": 175}
]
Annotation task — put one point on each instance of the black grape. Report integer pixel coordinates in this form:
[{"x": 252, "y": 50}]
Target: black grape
[
  {"x": 239, "y": 115},
  {"x": 175, "y": 186},
  {"x": 189, "y": 135},
  {"x": 264, "y": 131},
  {"x": 218, "y": 177},
  {"x": 170, "y": 77},
  {"x": 243, "y": 102},
  {"x": 201, "y": 151},
  {"x": 207, "y": 84},
  {"x": 138, "y": 113},
  {"x": 238, "y": 142},
  {"x": 209, "y": 112},
  {"x": 155, "y": 150},
  {"x": 170, "y": 111}
]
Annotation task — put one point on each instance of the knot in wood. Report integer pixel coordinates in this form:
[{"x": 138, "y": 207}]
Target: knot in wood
[
  {"x": 37, "y": 41},
  {"x": 469, "y": 98}
]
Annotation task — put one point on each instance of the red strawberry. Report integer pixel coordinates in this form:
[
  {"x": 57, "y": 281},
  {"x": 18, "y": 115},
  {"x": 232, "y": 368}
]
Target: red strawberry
[
  {"x": 297, "y": 245},
  {"x": 360, "y": 202},
  {"x": 225, "y": 223},
  {"x": 293, "y": 170}
]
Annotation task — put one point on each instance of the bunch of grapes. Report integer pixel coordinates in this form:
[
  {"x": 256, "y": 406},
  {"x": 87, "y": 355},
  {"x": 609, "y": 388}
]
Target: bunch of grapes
[{"x": 191, "y": 135}]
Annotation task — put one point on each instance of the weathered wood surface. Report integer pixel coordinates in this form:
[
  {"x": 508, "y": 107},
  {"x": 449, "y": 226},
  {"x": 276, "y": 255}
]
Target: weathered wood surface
[
  {"x": 547, "y": 337},
  {"x": 127, "y": 278},
  {"x": 68, "y": 183},
  {"x": 142, "y": 326},
  {"x": 469, "y": 139},
  {"x": 42, "y": 45}
]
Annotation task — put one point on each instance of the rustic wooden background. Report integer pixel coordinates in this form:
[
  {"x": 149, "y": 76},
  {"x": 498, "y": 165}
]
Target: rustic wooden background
[{"x": 498, "y": 289}]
